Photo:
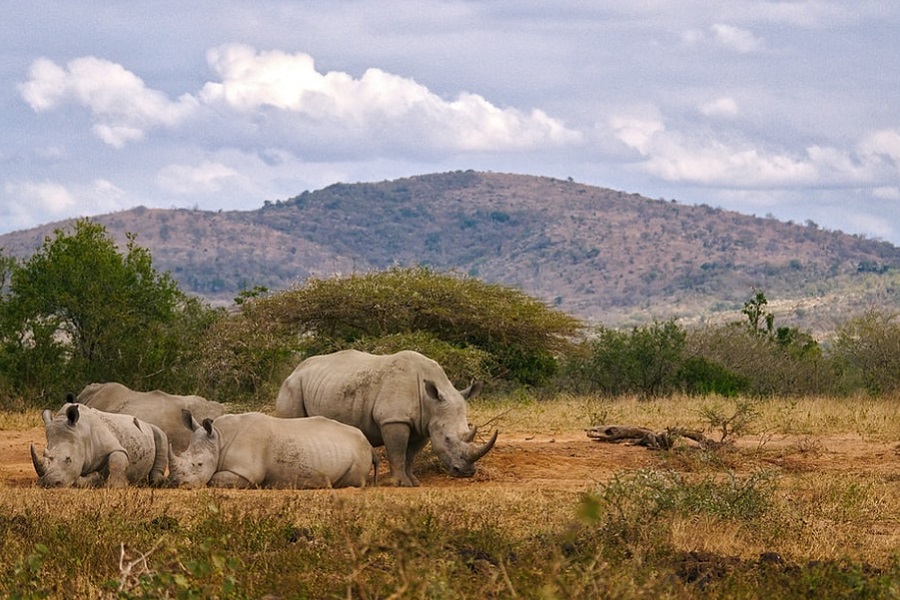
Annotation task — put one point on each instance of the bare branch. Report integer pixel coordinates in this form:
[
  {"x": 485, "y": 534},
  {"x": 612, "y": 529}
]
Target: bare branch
[{"x": 655, "y": 440}]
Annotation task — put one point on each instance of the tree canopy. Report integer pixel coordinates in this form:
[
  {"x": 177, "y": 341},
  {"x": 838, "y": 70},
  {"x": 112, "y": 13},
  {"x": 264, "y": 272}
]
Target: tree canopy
[
  {"x": 79, "y": 310},
  {"x": 520, "y": 337}
]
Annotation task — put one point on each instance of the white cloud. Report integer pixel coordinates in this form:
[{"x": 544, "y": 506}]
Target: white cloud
[
  {"x": 721, "y": 107},
  {"x": 205, "y": 178},
  {"x": 378, "y": 108},
  {"x": 715, "y": 163},
  {"x": 735, "y": 38},
  {"x": 46, "y": 86},
  {"x": 41, "y": 196},
  {"x": 884, "y": 143},
  {"x": 636, "y": 132},
  {"x": 377, "y": 102},
  {"x": 875, "y": 226},
  {"x": 122, "y": 106},
  {"x": 697, "y": 157},
  {"x": 30, "y": 203},
  {"x": 887, "y": 193},
  {"x": 677, "y": 157}
]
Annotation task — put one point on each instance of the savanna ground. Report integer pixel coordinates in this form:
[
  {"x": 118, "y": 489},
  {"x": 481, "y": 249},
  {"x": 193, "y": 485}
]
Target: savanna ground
[{"x": 805, "y": 503}]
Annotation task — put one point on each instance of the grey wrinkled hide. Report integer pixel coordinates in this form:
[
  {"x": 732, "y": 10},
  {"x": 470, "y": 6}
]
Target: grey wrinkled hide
[
  {"x": 159, "y": 408},
  {"x": 257, "y": 450},
  {"x": 400, "y": 401},
  {"x": 87, "y": 447}
]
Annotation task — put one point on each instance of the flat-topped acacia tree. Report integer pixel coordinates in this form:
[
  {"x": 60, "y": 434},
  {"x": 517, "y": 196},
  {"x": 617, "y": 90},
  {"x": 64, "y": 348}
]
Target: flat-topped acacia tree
[{"x": 471, "y": 327}]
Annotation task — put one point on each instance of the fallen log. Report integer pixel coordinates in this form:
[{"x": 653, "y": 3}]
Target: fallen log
[{"x": 655, "y": 440}]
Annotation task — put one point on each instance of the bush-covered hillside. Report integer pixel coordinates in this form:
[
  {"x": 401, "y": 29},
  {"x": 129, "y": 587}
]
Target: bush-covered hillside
[{"x": 610, "y": 256}]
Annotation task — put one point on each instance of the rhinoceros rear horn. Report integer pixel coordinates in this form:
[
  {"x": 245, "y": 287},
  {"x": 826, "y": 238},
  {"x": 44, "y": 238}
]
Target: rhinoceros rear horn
[
  {"x": 38, "y": 462},
  {"x": 470, "y": 436},
  {"x": 475, "y": 455}
]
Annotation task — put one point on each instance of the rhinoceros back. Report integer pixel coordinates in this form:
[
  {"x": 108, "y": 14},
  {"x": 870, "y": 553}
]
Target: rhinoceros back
[
  {"x": 359, "y": 389},
  {"x": 156, "y": 407},
  {"x": 296, "y": 452}
]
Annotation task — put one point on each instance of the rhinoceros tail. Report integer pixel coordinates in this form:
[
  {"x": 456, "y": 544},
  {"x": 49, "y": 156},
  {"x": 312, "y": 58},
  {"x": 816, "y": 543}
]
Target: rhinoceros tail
[{"x": 161, "y": 462}]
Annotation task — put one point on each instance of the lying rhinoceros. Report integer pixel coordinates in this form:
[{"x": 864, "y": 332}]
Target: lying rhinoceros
[
  {"x": 87, "y": 447},
  {"x": 400, "y": 401},
  {"x": 257, "y": 450},
  {"x": 159, "y": 408}
]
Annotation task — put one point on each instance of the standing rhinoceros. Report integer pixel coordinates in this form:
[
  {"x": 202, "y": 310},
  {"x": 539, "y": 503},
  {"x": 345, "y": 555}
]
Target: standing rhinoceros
[
  {"x": 257, "y": 450},
  {"x": 400, "y": 401},
  {"x": 87, "y": 447},
  {"x": 159, "y": 408}
]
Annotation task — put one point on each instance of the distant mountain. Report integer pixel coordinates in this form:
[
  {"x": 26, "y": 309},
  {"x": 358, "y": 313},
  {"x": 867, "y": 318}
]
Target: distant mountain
[{"x": 600, "y": 254}]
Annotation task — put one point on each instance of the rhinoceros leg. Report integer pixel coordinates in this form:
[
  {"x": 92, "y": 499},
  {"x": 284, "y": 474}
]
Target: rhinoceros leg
[
  {"x": 396, "y": 445},
  {"x": 227, "y": 479},
  {"x": 91, "y": 480},
  {"x": 118, "y": 466},
  {"x": 413, "y": 447}
]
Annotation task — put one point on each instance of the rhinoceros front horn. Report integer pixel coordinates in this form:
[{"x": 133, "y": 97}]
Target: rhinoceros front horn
[
  {"x": 39, "y": 467},
  {"x": 475, "y": 455}
]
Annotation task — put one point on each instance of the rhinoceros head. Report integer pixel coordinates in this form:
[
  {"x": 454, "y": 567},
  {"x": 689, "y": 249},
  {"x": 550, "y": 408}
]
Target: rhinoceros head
[
  {"x": 195, "y": 466},
  {"x": 64, "y": 457},
  {"x": 451, "y": 437}
]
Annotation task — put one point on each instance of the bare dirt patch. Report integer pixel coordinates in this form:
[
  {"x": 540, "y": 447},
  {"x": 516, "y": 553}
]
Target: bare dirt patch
[
  {"x": 15, "y": 457},
  {"x": 570, "y": 460}
]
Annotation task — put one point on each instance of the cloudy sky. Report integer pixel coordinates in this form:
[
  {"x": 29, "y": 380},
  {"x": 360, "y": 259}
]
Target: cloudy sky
[{"x": 788, "y": 109}]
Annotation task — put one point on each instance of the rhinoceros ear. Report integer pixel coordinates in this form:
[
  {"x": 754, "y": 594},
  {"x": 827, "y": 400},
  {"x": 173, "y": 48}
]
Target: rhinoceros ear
[
  {"x": 47, "y": 416},
  {"x": 432, "y": 390},
  {"x": 72, "y": 414},
  {"x": 188, "y": 419},
  {"x": 207, "y": 425},
  {"x": 472, "y": 391},
  {"x": 70, "y": 398}
]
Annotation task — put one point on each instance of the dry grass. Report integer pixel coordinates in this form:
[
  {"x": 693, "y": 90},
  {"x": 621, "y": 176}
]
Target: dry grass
[
  {"x": 19, "y": 421},
  {"x": 872, "y": 418},
  {"x": 814, "y": 479}
]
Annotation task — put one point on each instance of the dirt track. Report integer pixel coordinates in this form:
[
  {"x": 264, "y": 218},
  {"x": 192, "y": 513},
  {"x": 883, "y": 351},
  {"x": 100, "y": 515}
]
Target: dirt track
[{"x": 571, "y": 460}]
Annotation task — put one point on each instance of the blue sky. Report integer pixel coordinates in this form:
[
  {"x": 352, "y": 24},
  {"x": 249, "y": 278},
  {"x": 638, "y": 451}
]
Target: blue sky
[{"x": 784, "y": 109}]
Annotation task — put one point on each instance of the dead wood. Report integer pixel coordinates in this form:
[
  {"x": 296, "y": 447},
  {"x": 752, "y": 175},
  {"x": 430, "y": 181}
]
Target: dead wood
[{"x": 655, "y": 440}]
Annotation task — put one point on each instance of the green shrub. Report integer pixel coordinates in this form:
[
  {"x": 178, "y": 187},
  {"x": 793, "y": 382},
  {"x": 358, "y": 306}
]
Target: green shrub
[
  {"x": 634, "y": 509},
  {"x": 461, "y": 364},
  {"x": 644, "y": 361},
  {"x": 700, "y": 376},
  {"x": 867, "y": 352},
  {"x": 521, "y": 335},
  {"x": 760, "y": 364}
]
